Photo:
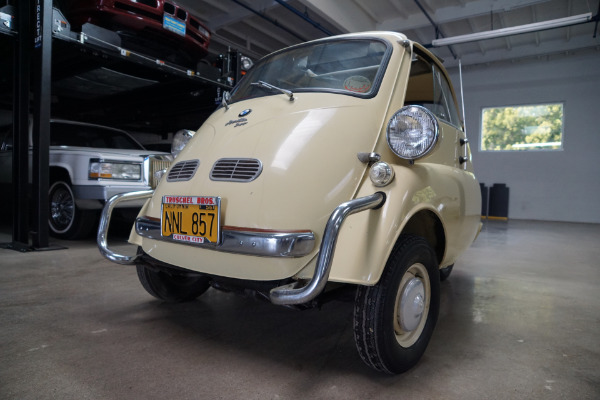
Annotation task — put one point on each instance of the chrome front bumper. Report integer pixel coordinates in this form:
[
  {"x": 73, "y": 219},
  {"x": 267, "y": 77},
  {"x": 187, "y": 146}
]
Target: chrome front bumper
[
  {"x": 295, "y": 293},
  {"x": 242, "y": 241},
  {"x": 102, "y": 238},
  {"x": 254, "y": 242}
]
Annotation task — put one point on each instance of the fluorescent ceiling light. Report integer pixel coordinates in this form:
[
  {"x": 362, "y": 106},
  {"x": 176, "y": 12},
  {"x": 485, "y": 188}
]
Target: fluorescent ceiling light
[{"x": 514, "y": 30}]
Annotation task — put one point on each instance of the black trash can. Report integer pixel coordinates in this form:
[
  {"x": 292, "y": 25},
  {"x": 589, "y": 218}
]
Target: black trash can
[
  {"x": 498, "y": 202},
  {"x": 484, "y": 200}
]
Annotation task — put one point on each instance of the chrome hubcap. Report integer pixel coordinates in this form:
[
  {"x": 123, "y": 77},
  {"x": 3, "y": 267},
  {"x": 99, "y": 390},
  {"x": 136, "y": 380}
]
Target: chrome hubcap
[
  {"x": 412, "y": 305},
  {"x": 61, "y": 209}
]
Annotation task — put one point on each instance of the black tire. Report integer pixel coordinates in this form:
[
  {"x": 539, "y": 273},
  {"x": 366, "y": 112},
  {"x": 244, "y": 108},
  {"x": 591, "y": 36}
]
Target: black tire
[
  {"x": 388, "y": 339},
  {"x": 171, "y": 287},
  {"x": 445, "y": 272},
  {"x": 65, "y": 219}
]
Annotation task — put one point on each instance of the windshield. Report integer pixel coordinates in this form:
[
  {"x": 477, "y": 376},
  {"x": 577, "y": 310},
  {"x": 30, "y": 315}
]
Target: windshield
[
  {"x": 65, "y": 134},
  {"x": 350, "y": 66}
]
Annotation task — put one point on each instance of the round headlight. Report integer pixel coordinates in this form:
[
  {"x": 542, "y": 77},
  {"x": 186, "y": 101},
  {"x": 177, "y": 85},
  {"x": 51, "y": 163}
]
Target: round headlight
[
  {"x": 381, "y": 174},
  {"x": 412, "y": 132},
  {"x": 180, "y": 139},
  {"x": 246, "y": 63}
]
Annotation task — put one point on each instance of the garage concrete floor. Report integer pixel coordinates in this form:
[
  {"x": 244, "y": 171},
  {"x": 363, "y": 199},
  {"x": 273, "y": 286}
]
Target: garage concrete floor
[{"x": 520, "y": 318}]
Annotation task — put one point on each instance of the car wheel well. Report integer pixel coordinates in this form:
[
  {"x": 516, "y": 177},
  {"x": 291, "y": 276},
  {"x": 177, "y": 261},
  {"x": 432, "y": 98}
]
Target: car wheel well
[
  {"x": 426, "y": 224},
  {"x": 59, "y": 174}
]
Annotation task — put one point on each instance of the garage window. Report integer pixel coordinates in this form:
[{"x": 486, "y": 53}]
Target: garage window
[{"x": 520, "y": 128}]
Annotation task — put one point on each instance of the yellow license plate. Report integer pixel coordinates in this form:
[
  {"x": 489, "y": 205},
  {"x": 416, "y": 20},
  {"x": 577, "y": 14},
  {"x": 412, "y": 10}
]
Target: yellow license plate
[{"x": 192, "y": 219}]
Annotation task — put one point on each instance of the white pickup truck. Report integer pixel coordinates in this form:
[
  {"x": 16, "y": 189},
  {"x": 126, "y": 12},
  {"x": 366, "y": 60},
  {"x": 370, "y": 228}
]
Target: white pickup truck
[{"x": 88, "y": 165}]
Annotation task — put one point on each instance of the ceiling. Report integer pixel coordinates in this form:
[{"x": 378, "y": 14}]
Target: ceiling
[
  {"x": 102, "y": 87},
  {"x": 259, "y": 27}
]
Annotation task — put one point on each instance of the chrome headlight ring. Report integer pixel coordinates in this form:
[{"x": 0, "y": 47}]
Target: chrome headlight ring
[{"x": 412, "y": 132}]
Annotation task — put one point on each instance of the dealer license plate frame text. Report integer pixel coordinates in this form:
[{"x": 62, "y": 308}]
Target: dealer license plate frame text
[{"x": 191, "y": 219}]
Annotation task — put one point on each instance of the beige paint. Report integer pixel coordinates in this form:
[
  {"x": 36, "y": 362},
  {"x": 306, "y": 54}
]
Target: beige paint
[{"x": 309, "y": 148}]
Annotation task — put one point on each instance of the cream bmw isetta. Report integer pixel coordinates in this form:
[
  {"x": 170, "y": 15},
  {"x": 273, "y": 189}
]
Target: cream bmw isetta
[{"x": 334, "y": 164}]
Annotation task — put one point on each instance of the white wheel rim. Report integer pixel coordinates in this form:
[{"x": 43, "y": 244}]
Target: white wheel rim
[{"x": 412, "y": 305}]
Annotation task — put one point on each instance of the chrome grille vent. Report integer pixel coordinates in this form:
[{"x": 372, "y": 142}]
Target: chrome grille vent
[
  {"x": 236, "y": 170},
  {"x": 183, "y": 171}
]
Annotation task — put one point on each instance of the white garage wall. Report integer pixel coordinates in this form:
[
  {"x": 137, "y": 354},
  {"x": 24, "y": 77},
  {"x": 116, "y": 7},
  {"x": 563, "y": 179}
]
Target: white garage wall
[{"x": 544, "y": 185}]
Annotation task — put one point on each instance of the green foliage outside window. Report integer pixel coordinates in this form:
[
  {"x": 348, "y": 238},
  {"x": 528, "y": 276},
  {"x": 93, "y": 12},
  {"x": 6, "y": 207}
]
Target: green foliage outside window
[{"x": 536, "y": 127}]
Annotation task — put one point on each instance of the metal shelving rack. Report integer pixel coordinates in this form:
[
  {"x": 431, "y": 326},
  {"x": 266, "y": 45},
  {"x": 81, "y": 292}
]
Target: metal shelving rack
[{"x": 38, "y": 28}]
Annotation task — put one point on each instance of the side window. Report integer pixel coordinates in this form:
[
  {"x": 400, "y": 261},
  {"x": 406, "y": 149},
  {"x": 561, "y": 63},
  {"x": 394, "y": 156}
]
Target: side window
[
  {"x": 420, "y": 83},
  {"x": 445, "y": 107},
  {"x": 428, "y": 87}
]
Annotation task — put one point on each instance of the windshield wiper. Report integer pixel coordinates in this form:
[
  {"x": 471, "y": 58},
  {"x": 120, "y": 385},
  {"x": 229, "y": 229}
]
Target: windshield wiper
[{"x": 266, "y": 85}]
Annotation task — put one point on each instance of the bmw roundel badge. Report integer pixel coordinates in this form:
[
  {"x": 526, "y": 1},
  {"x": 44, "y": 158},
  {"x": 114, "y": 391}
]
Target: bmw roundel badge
[{"x": 245, "y": 112}]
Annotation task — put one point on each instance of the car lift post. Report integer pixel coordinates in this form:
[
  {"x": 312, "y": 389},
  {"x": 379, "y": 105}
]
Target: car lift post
[
  {"x": 20, "y": 162},
  {"x": 33, "y": 52},
  {"x": 42, "y": 63}
]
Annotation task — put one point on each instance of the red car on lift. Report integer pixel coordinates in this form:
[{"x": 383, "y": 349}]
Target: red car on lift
[{"x": 159, "y": 28}]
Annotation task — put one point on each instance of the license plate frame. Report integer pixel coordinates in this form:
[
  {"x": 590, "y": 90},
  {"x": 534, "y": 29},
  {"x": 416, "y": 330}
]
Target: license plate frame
[
  {"x": 173, "y": 24},
  {"x": 191, "y": 219}
]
